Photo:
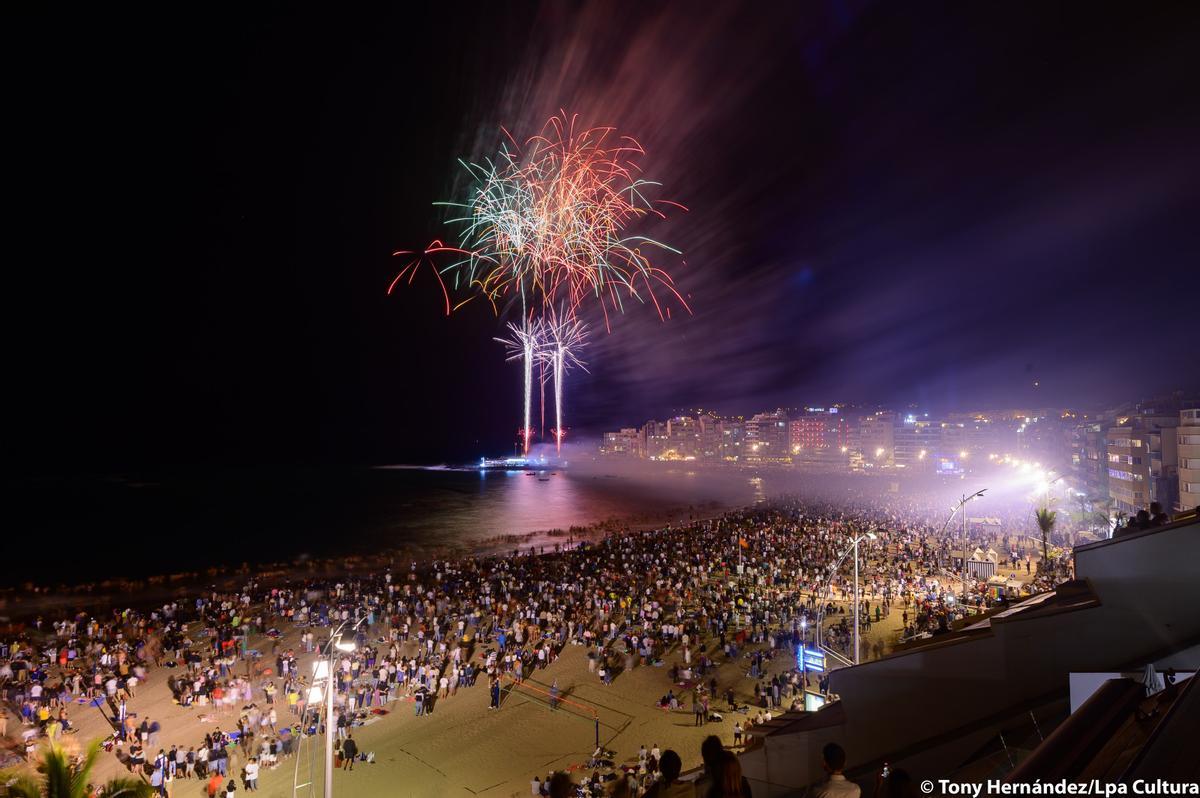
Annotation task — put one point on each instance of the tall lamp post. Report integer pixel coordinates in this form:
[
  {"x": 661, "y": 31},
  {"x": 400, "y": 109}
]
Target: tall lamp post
[
  {"x": 832, "y": 573},
  {"x": 335, "y": 642},
  {"x": 977, "y": 494},
  {"x": 870, "y": 535}
]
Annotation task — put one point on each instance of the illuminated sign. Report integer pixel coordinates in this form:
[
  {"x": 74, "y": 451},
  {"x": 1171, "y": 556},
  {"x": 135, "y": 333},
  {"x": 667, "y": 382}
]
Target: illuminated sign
[{"x": 810, "y": 659}]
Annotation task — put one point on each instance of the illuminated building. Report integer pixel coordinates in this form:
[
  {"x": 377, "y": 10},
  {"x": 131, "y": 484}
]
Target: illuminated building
[
  {"x": 877, "y": 439},
  {"x": 1090, "y": 459},
  {"x": 1188, "y": 444},
  {"x": 807, "y": 432},
  {"x": 1143, "y": 461},
  {"x": 768, "y": 438},
  {"x": 916, "y": 440},
  {"x": 683, "y": 438},
  {"x": 656, "y": 441},
  {"x": 710, "y": 436},
  {"x": 626, "y": 442},
  {"x": 733, "y": 439}
]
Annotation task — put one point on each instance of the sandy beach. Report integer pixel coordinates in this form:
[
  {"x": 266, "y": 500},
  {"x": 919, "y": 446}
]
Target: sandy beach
[{"x": 462, "y": 748}]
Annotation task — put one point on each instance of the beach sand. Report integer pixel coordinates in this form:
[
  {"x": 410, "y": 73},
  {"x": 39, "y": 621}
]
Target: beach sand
[{"x": 462, "y": 748}]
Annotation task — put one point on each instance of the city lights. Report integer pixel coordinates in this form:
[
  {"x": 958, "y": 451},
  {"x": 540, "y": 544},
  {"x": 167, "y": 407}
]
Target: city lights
[{"x": 550, "y": 485}]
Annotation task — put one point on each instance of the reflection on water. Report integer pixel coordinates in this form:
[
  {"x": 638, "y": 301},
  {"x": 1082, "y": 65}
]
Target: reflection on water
[
  {"x": 442, "y": 509},
  {"x": 760, "y": 495},
  {"x": 273, "y": 514}
]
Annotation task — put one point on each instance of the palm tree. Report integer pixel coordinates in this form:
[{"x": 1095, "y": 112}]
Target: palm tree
[
  {"x": 62, "y": 778},
  {"x": 1045, "y": 518}
]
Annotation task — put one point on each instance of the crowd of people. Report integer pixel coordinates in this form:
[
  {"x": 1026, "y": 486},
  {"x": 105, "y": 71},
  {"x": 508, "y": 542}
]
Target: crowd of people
[
  {"x": 720, "y": 777},
  {"x": 747, "y": 587}
]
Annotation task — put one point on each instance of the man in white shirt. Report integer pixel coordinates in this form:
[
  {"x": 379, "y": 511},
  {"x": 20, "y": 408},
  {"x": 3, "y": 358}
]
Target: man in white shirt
[{"x": 834, "y": 761}]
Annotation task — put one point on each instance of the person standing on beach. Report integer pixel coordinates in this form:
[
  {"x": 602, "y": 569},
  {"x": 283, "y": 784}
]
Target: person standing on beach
[{"x": 252, "y": 775}]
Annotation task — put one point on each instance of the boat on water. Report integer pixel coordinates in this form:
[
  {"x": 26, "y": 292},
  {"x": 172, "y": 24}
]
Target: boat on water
[{"x": 530, "y": 465}]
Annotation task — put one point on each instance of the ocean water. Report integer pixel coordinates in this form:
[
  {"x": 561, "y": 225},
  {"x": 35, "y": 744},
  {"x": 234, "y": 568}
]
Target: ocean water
[{"x": 92, "y": 528}]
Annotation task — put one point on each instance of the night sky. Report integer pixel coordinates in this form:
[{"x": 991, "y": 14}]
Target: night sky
[{"x": 892, "y": 203}]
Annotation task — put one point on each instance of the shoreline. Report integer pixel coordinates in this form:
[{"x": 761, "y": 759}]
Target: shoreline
[{"x": 21, "y": 604}]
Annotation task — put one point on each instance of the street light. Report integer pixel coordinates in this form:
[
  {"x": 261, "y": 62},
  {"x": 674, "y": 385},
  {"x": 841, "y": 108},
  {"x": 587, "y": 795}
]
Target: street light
[
  {"x": 870, "y": 535},
  {"x": 832, "y": 573},
  {"x": 959, "y": 506},
  {"x": 1047, "y": 484},
  {"x": 323, "y": 668}
]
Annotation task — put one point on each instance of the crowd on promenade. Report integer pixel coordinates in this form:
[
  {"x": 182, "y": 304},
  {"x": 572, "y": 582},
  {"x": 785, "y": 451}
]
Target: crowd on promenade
[{"x": 744, "y": 587}]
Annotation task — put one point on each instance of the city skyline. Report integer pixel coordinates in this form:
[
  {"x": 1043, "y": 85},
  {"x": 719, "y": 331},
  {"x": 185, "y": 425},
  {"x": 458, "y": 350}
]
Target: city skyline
[{"x": 1114, "y": 461}]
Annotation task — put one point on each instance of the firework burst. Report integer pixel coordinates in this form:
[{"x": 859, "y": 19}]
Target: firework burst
[
  {"x": 548, "y": 224},
  {"x": 549, "y": 231}
]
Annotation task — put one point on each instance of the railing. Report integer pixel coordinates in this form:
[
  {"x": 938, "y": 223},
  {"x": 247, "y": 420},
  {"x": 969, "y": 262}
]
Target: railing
[{"x": 846, "y": 662}]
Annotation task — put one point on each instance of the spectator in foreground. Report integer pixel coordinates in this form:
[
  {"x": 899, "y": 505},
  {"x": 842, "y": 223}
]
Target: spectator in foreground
[
  {"x": 833, "y": 759},
  {"x": 715, "y": 756},
  {"x": 732, "y": 783},
  {"x": 561, "y": 786},
  {"x": 668, "y": 784}
]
